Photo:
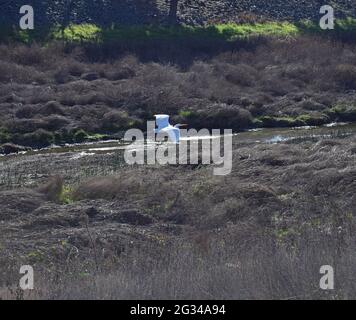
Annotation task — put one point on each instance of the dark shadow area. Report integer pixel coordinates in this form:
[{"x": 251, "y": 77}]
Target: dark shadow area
[{"x": 180, "y": 52}]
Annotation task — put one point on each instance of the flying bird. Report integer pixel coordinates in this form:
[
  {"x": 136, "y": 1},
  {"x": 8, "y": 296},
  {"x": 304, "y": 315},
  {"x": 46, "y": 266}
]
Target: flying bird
[{"x": 163, "y": 126}]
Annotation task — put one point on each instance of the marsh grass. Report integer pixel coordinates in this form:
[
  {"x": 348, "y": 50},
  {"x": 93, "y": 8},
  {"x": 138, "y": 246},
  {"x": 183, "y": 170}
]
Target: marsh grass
[
  {"x": 263, "y": 232},
  {"x": 208, "y": 266}
]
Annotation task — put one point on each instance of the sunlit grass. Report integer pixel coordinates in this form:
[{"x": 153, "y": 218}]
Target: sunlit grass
[
  {"x": 91, "y": 33},
  {"x": 232, "y": 31},
  {"x": 66, "y": 195},
  {"x": 227, "y": 32},
  {"x": 78, "y": 32}
]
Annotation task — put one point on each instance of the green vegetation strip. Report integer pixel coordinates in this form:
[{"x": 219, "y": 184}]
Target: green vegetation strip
[
  {"x": 90, "y": 33},
  {"x": 337, "y": 113}
]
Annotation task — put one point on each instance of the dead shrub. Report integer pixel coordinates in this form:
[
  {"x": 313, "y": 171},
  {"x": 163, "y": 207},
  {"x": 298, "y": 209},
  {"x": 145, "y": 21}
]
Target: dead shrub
[
  {"x": 39, "y": 138},
  {"x": 28, "y": 55},
  {"x": 68, "y": 98},
  {"x": 51, "y": 108},
  {"x": 241, "y": 74},
  {"x": 25, "y": 112},
  {"x": 221, "y": 116},
  {"x": 120, "y": 74},
  {"x": 89, "y": 98},
  {"x": 156, "y": 74},
  {"x": 26, "y": 125},
  {"x": 234, "y": 210},
  {"x": 116, "y": 120},
  {"x": 125, "y": 68},
  {"x": 119, "y": 187},
  {"x": 19, "y": 202},
  {"x": 275, "y": 86},
  {"x": 10, "y": 72},
  {"x": 55, "y": 122},
  {"x": 311, "y": 105},
  {"x": 52, "y": 189},
  {"x": 345, "y": 75},
  {"x": 299, "y": 71},
  {"x": 75, "y": 68},
  {"x": 5, "y": 72},
  {"x": 62, "y": 76},
  {"x": 249, "y": 191},
  {"x": 40, "y": 95}
]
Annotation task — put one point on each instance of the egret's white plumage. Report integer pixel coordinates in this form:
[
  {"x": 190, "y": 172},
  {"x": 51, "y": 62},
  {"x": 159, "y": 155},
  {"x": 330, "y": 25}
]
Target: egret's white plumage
[{"x": 162, "y": 122}]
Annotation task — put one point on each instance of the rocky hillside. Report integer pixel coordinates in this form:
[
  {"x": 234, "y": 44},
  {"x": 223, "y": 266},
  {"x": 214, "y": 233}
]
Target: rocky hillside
[
  {"x": 210, "y": 11},
  {"x": 190, "y": 12}
]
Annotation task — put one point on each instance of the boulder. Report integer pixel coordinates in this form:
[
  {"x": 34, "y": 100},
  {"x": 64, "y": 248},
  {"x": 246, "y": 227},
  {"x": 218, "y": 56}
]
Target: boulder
[{"x": 8, "y": 148}]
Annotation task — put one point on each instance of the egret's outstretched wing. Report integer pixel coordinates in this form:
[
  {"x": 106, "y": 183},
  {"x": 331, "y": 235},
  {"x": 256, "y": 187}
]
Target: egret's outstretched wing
[{"x": 174, "y": 134}]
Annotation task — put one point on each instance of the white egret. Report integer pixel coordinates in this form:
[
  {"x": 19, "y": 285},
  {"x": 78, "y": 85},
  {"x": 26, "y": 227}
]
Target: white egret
[{"x": 163, "y": 126}]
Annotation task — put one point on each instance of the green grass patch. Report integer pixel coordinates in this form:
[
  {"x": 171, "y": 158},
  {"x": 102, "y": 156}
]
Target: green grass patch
[
  {"x": 346, "y": 113},
  {"x": 66, "y": 195},
  {"x": 80, "y": 136},
  {"x": 185, "y": 113},
  {"x": 233, "y": 31},
  {"x": 5, "y": 136},
  {"x": 343, "y": 112},
  {"x": 97, "y": 137},
  {"x": 289, "y": 121},
  {"x": 91, "y": 33},
  {"x": 344, "y": 29},
  {"x": 85, "y": 32},
  {"x": 227, "y": 32}
]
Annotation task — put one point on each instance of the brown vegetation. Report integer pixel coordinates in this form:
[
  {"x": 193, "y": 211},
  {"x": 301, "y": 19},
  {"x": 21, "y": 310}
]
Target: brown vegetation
[
  {"x": 178, "y": 231},
  {"x": 49, "y": 93}
]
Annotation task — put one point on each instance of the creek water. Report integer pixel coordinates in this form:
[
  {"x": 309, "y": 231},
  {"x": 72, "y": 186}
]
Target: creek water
[{"x": 263, "y": 135}]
